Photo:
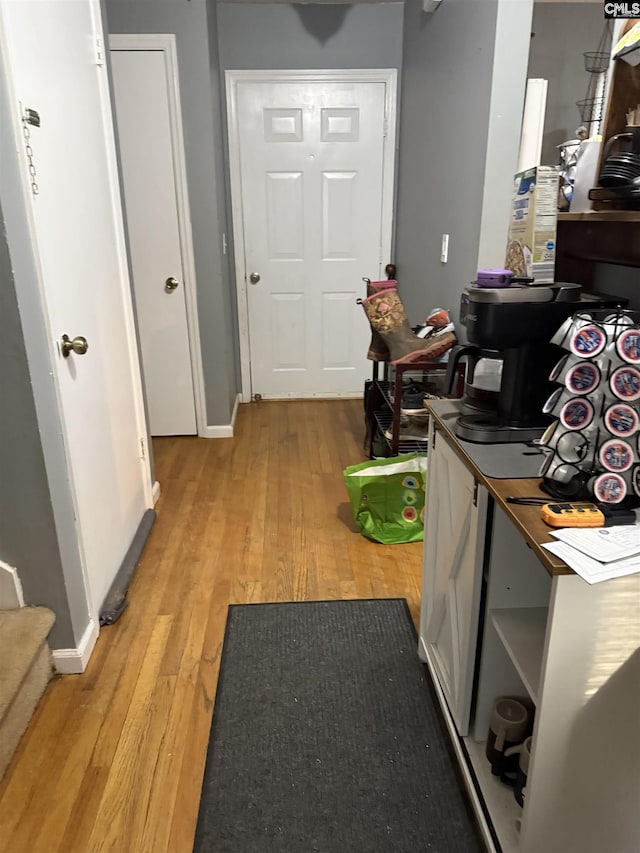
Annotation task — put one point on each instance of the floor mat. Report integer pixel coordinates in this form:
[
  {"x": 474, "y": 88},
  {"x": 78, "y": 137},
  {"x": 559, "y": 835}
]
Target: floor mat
[{"x": 327, "y": 737}]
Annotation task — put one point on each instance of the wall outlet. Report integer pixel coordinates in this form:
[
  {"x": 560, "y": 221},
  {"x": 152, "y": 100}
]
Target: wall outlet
[{"x": 444, "y": 251}]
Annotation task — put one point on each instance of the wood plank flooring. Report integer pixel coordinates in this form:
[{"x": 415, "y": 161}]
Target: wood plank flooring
[{"x": 113, "y": 759}]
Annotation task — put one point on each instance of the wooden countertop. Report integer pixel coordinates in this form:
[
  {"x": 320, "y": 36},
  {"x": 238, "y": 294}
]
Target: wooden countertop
[{"x": 526, "y": 518}]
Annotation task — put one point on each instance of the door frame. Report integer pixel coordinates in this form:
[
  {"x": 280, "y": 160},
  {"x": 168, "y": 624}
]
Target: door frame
[
  {"x": 166, "y": 42},
  {"x": 388, "y": 76}
]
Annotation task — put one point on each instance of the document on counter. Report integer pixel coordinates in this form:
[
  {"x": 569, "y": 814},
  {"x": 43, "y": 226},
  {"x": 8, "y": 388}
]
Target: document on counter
[
  {"x": 605, "y": 544},
  {"x": 592, "y": 570}
]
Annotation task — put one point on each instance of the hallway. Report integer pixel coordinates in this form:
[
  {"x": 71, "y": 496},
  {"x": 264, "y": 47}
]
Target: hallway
[{"x": 113, "y": 759}]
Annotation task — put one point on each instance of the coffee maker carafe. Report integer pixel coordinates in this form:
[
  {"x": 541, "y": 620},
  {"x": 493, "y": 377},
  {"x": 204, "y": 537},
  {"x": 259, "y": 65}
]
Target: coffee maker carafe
[{"x": 513, "y": 326}]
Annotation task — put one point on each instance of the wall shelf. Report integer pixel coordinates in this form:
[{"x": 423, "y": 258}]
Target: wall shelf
[{"x": 601, "y": 216}]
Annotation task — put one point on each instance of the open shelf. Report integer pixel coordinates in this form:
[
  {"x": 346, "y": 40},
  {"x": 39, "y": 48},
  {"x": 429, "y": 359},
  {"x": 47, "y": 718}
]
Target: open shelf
[
  {"x": 522, "y": 631},
  {"x": 498, "y": 798},
  {"x": 601, "y": 216},
  {"x": 384, "y": 419}
]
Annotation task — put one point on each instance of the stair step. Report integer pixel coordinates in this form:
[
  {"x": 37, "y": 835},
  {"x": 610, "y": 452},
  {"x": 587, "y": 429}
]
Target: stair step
[{"x": 25, "y": 670}]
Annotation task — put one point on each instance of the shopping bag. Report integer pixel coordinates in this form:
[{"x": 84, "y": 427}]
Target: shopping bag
[{"x": 387, "y": 497}]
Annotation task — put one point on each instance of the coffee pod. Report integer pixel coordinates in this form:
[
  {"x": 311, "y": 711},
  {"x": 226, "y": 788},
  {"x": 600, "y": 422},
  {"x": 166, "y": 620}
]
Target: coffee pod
[
  {"x": 547, "y": 435},
  {"x": 558, "y": 368},
  {"x": 635, "y": 480},
  {"x": 562, "y": 472},
  {"x": 582, "y": 378},
  {"x": 577, "y": 413},
  {"x": 562, "y": 334},
  {"x": 608, "y": 488},
  {"x": 621, "y": 420},
  {"x": 572, "y": 446},
  {"x": 625, "y": 384},
  {"x": 552, "y": 401},
  {"x": 589, "y": 341},
  {"x": 628, "y": 345},
  {"x": 616, "y": 455},
  {"x": 546, "y": 464},
  {"x": 617, "y": 321}
]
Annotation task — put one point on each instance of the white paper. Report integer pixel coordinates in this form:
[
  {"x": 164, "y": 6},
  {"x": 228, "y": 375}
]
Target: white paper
[
  {"x": 605, "y": 544},
  {"x": 591, "y": 570}
]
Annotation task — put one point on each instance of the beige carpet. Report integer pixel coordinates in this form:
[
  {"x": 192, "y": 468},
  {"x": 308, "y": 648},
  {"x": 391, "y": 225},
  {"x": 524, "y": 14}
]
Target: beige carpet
[{"x": 25, "y": 669}]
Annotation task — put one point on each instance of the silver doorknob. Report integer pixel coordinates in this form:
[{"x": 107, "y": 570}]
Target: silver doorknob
[
  {"x": 79, "y": 345},
  {"x": 171, "y": 284},
  {"x": 254, "y": 278}
]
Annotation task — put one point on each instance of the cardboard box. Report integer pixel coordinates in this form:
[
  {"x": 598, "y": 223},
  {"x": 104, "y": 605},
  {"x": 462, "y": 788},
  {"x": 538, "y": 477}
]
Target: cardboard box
[{"x": 531, "y": 247}]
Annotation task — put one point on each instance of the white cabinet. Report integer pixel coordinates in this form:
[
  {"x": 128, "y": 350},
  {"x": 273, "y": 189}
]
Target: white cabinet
[
  {"x": 571, "y": 650},
  {"x": 456, "y": 508}
]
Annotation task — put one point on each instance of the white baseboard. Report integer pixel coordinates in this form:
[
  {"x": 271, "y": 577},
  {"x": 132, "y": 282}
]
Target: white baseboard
[
  {"x": 155, "y": 492},
  {"x": 223, "y": 430},
  {"x": 11, "y": 596},
  {"x": 74, "y": 661}
]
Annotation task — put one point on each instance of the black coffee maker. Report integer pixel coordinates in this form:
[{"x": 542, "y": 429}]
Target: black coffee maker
[{"x": 513, "y": 324}]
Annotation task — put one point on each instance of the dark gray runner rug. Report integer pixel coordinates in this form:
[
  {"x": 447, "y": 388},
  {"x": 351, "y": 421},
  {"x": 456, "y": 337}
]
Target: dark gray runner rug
[{"x": 326, "y": 736}]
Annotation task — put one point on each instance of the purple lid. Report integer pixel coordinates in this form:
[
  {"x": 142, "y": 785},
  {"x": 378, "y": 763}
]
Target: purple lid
[{"x": 494, "y": 278}]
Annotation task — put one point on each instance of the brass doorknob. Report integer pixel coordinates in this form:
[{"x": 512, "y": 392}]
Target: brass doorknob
[
  {"x": 79, "y": 345},
  {"x": 171, "y": 283}
]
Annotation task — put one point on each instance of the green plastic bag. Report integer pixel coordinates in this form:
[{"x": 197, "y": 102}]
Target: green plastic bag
[{"x": 387, "y": 497}]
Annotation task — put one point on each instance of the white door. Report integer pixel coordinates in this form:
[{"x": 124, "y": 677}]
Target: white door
[
  {"x": 142, "y": 82},
  {"x": 311, "y": 178},
  {"x": 452, "y": 575},
  {"x": 53, "y": 60}
]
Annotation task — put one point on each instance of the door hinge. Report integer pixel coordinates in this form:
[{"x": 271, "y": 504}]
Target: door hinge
[
  {"x": 385, "y": 127},
  {"x": 475, "y": 493},
  {"x": 99, "y": 51},
  {"x": 143, "y": 449}
]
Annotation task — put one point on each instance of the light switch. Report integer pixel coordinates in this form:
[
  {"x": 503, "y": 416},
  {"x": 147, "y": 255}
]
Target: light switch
[{"x": 444, "y": 251}]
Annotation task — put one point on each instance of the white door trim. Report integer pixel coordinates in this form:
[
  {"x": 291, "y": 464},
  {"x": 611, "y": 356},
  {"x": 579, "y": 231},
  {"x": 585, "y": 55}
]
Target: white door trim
[
  {"x": 389, "y": 76},
  {"x": 117, "y": 205},
  {"x": 167, "y": 42}
]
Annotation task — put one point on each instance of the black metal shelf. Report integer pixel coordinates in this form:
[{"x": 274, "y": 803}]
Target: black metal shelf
[
  {"x": 384, "y": 420},
  {"x": 384, "y": 412}
]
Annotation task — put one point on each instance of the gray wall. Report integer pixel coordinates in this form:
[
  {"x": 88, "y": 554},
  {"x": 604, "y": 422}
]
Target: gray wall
[
  {"x": 562, "y": 32},
  {"x": 278, "y": 35},
  {"x": 28, "y": 537},
  {"x": 462, "y": 95},
  {"x": 191, "y": 23},
  {"x": 446, "y": 87}
]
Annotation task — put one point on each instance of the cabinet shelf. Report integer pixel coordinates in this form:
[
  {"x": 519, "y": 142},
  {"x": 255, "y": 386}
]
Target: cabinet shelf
[
  {"x": 504, "y": 811},
  {"x": 522, "y": 631}
]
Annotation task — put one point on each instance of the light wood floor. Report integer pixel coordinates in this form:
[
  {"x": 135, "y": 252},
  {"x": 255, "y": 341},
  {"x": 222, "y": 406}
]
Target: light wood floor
[{"x": 113, "y": 759}]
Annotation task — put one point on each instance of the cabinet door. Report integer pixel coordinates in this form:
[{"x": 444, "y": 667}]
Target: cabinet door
[{"x": 455, "y": 526}]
